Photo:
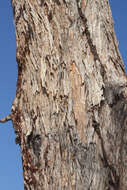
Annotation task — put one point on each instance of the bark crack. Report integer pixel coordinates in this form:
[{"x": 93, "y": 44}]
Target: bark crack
[
  {"x": 113, "y": 177},
  {"x": 89, "y": 39}
]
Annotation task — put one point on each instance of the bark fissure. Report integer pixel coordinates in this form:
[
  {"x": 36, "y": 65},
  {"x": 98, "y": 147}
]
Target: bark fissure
[
  {"x": 89, "y": 39},
  {"x": 113, "y": 176}
]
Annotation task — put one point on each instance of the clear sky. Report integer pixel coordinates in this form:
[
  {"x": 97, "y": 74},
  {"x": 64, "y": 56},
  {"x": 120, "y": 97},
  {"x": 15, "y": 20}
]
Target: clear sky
[{"x": 10, "y": 161}]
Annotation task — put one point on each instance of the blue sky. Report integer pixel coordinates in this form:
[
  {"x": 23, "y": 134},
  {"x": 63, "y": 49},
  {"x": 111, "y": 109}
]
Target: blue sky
[{"x": 10, "y": 161}]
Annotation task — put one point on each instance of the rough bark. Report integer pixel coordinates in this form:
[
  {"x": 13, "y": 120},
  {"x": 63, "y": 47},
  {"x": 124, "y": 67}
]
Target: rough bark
[{"x": 70, "y": 108}]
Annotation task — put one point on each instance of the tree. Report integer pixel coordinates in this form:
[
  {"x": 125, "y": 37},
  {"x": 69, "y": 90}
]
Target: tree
[{"x": 70, "y": 108}]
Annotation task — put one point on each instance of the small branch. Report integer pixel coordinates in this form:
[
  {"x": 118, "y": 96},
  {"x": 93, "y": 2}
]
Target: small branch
[{"x": 5, "y": 119}]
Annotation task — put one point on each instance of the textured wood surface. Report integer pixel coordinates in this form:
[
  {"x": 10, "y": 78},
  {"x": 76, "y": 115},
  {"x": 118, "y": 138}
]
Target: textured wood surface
[{"x": 70, "y": 108}]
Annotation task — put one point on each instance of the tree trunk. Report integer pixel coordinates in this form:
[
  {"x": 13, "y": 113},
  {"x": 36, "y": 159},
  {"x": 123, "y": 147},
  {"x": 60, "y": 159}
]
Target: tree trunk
[{"x": 70, "y": 108}]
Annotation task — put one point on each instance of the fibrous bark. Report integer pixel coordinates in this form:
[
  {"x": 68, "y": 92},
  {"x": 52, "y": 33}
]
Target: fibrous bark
[{"x": 70, "y": 108}]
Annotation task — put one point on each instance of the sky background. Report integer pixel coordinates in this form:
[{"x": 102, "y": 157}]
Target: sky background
[{"x": 11, "y": 177}]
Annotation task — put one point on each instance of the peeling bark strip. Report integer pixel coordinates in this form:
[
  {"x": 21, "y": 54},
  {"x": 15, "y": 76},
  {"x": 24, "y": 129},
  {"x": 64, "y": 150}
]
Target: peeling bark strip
[{"x": 70, "y": 108}]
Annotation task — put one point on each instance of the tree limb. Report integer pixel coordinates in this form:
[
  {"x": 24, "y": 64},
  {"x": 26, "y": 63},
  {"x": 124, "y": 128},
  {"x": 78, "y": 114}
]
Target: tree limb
[{"x": 5, "y": 119}]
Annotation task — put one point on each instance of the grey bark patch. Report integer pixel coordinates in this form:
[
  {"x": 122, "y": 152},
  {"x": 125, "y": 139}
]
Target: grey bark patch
[
  {"x": 113, "y": 94},
  {"x": 36, "y": 144},
  {"x": 57, "y": 2},
  {"x": 35, "y": 141}
]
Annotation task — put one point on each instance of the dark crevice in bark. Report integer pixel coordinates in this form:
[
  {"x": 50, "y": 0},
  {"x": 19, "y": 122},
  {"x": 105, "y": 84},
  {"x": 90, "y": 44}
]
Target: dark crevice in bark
[
  {"x": 18, "y": 16},
  {"x": 89, "y": 40},
  {"x": 50, "y": 16},
  {"x": 113, "y": 176}
]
